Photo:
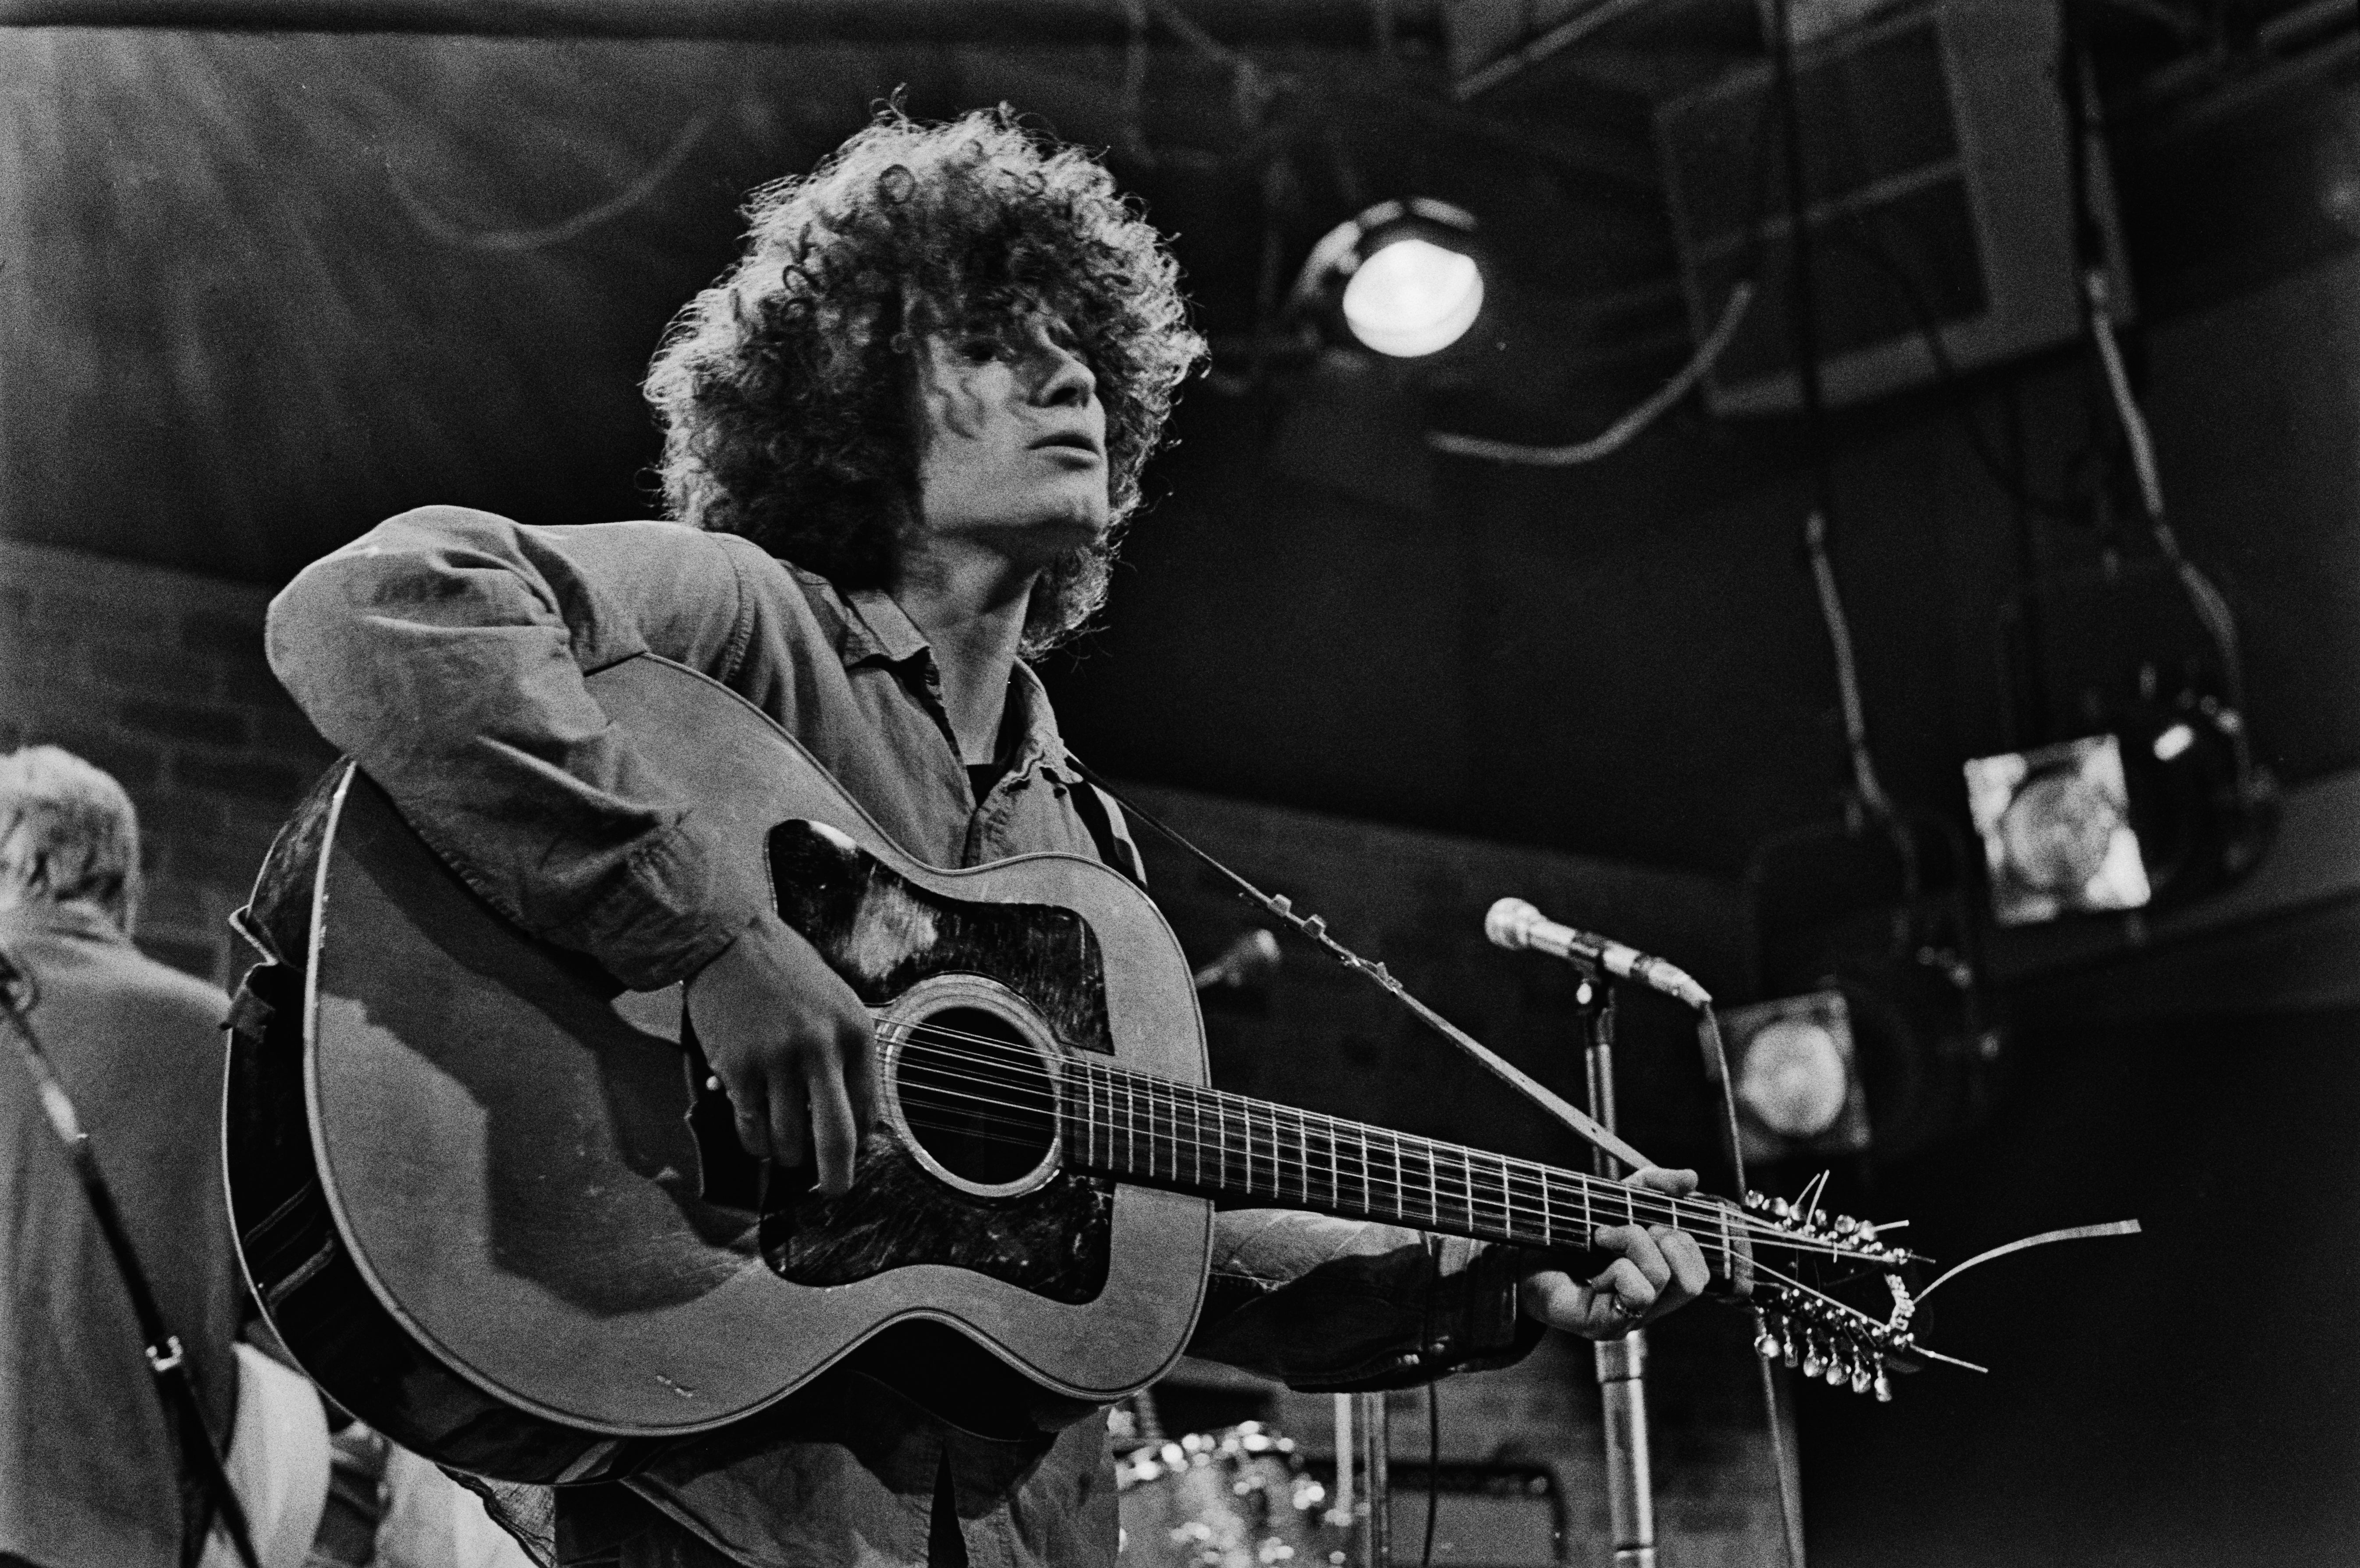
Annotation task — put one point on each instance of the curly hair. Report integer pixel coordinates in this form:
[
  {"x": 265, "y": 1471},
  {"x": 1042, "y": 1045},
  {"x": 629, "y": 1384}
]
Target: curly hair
[{"x": 785, "y": 390}]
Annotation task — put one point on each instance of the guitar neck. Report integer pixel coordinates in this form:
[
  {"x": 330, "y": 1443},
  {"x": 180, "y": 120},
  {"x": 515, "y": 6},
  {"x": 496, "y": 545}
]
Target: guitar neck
[{"x": 1158, "y": 1133}]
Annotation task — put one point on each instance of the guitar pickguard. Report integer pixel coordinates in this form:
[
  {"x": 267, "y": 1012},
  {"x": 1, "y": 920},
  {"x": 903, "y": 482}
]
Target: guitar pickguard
[{"x": 885, "y": 934}]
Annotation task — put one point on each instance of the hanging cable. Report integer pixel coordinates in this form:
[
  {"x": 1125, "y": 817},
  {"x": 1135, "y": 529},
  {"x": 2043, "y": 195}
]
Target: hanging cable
[
  {"x": 1622, "y": 431},
  {"x": 1872, "y": 797}
]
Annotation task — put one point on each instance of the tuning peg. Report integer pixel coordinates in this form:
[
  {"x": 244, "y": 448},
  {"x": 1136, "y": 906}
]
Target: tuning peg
[
  {"x": 1860, "y": 1378},
  {"x": 1788, "y": 1351},
  {"x": 1813, "y": 1365},
  {"x": 1883, "y": 1388}
]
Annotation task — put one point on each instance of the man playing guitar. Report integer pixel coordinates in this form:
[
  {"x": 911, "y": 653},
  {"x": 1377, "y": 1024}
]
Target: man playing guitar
[{"x": 902, "y": 435}]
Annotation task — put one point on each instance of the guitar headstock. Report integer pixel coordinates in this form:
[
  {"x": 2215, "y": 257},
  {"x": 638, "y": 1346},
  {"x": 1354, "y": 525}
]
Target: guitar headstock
[{"x": 1800, "y": 1314}]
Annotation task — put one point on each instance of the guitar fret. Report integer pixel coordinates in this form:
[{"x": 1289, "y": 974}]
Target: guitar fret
[
  {"x": 1304, "y": 1158},
  {"x": 1254, "y": 1140},
  {"x": 1243, "y": 1169},
  {"x": 1196, "y": 1138},
  {"x": 1278, "y": 1152},
  {"x": 1146, "y": 1133},
  {"x": 1228, "y": 1170}
]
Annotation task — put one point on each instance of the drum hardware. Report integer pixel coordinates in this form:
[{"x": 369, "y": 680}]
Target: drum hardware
[{"x": 1240, "y": 1497}]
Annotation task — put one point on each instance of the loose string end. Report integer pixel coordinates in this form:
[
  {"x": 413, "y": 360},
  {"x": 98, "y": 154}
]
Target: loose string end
[{"x": 2074, "y": 1233}]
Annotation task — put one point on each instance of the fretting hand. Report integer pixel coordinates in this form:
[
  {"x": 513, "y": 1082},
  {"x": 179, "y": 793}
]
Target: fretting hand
[
  {"x": 791, "y": 1043},
  {"x": 1657, "y": 1271}
]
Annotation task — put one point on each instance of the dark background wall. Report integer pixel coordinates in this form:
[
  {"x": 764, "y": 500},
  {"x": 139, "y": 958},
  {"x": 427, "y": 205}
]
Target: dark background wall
[{"x": 261, "y": 291}]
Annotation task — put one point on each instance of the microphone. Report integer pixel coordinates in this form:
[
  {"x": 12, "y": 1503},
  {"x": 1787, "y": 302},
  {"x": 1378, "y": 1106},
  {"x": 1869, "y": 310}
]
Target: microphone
[
  {"x": 1250, "y": 959},
  {"x": 1517, "y": 925}
]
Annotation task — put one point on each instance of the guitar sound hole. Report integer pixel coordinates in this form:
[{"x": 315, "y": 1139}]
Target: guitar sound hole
[{"x": 977, "y": 1099}]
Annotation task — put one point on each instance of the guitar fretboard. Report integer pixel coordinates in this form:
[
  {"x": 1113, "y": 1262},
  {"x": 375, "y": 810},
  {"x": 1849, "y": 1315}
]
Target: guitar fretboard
[{"x": 1162, "y": 1134}]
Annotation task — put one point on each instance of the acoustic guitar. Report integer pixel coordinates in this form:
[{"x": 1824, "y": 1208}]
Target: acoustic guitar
[{"x": 496, "y": 1206}]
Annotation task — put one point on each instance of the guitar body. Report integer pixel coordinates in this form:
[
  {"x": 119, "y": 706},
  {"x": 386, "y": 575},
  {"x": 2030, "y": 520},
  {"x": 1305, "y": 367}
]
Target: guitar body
[{"x": 497, "y": 1211}]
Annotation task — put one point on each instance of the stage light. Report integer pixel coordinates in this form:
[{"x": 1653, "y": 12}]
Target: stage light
[
  {"x": 1412, "y": 297},
  {"x": 1798, "y": 1088},
  {"x": 1411, "y": 283},
  {"x": 2161, "y": 806},
  {"x": 2055, "y": 826}
]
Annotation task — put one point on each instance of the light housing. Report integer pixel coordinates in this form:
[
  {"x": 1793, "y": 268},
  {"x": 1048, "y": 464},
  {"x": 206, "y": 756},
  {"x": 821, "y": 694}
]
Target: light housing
[
  {"x": 2056, "y": 828},
  {"x": 2163, "y": 805},
  {"x": 1403, "y": 277},
  {"x": 1797, "y": 1083}
]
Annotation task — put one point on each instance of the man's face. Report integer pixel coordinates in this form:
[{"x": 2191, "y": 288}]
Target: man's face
[{"x": 1012, "y": 444}]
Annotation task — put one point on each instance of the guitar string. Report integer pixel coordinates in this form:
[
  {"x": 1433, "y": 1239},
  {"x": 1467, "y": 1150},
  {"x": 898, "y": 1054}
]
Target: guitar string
[
  {"x": 1446, "y": 1185},
  {"x": 1794, "y": 1284},
  {"x": 1454, "y": 1189},
  {"x": 1512, "y": 1168},
  {"x": 1518, "y": 1211}
]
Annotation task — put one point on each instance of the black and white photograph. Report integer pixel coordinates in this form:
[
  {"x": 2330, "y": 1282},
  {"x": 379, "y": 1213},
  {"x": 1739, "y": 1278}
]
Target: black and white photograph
[{"x": 1179, "y": 783}]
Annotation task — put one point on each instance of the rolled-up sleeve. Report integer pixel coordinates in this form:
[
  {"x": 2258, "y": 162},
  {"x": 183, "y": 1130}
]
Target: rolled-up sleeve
[
  {"x": 445, "y": 652},
  {"x": 1327, "y": 1303}
]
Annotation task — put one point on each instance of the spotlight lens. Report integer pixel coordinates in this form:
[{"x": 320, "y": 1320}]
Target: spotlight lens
[
  {"x": 1794, "y": 1079},
  {"x": 1413, "y": 298},
  {"x": 2060, "y": 830}
]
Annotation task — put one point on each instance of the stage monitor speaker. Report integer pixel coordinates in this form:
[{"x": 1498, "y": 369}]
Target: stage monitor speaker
[{"x": 1935, "y": 155}]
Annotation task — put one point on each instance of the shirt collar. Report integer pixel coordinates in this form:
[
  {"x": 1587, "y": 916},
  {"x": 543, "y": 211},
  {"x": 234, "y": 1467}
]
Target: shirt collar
[
  {"x": 878, "y": 628},
  {"x": 1039, "y": 742}
]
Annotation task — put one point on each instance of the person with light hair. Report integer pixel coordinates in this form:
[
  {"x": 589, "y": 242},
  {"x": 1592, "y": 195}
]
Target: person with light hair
[
  {"x": 68, "y": 835},
  {"x": 91, "y": 1462}
]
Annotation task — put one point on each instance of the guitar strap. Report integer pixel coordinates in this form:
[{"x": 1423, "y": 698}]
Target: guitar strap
[
  {"x": 1315, "y": 928},
  {"x": 165, "y": 1357}
]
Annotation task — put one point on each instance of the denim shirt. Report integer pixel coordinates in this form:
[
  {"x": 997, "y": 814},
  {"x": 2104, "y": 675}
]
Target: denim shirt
[{"x": 445, "y": 650}]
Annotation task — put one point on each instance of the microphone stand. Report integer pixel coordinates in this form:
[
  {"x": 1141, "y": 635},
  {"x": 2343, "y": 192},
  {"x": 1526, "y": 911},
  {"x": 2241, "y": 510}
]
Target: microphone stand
[
  {"x": 1621, "y": 1362},
  {"x": 1376, "y": 1481}
]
